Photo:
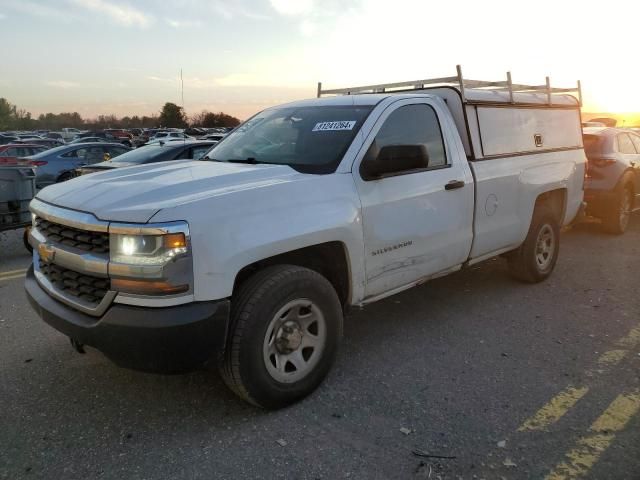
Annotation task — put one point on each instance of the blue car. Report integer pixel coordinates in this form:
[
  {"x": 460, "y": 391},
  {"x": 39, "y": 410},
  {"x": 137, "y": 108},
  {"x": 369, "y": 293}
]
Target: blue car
[
  {"x": 60, "y": 163},
  {"x": 612, "y": 186}
]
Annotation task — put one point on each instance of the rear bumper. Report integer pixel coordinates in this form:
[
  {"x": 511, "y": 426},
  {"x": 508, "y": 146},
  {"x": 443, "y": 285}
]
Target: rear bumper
[
  {"x": 600, "y": 202},
  {"x": 170, "y": 339}
]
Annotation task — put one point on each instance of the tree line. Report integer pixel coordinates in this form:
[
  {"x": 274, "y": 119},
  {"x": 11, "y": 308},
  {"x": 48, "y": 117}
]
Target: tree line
[{"x": 171, "y": 116}]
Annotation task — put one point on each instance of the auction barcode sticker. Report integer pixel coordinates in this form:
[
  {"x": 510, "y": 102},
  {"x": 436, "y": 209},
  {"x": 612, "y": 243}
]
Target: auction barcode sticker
[{"x": 332, "y": 126}]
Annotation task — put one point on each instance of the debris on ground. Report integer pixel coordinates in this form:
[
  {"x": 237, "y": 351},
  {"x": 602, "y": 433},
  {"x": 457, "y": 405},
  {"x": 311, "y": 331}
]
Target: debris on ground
[
  {"x": 282, "y": 442},
  {"x": 509, "y": 463},
  {"x": 420, "y": 453},
  {"x": 502, "y": 443},
  {"x": 405, "y": 430}
]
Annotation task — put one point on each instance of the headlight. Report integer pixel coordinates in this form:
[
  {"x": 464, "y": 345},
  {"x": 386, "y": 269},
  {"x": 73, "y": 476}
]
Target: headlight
[
  {"x": 147, "y": 249},
  {"x": 150, "y": 259}
]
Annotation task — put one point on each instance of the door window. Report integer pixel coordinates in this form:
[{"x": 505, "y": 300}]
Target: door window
[
  {"x": 413, "y": 125},
  {"x": 625, "y": 145},
  {"x": 636, "y": 142}
]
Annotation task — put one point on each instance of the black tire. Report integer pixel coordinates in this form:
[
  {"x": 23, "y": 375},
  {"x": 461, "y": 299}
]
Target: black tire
[
  {"x": 617, "y": 219},
  {"x": 527, "y": 263},
  {"x": 253, "y": 310},
  {"x": 66, "y": 176},
  {"x": 25, "y": 239}
]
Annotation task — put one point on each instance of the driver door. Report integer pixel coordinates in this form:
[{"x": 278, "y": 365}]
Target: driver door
[{"x": 417, "y": 222}]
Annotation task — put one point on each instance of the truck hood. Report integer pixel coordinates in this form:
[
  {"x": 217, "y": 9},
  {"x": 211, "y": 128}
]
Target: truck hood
[{"x": 136, "y": 194}]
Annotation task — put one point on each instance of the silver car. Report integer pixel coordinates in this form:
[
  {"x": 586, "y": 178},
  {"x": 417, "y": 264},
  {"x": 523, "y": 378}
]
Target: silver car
[{"x": 59, "y": 164}]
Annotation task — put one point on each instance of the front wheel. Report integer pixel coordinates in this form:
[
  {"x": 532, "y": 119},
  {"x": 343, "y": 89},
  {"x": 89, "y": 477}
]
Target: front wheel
[
  {"x": 286, "y": 324},
  {"x": 536, "y": 258}
]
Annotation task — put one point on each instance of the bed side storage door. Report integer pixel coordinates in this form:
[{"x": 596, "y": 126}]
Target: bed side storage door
[{"x": 416, "y": 191}]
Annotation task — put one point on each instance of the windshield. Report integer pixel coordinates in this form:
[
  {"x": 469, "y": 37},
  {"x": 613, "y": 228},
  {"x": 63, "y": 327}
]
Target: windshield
[
  {"x": 309, "y": 139},
  {"x": 141, "y": 155}
]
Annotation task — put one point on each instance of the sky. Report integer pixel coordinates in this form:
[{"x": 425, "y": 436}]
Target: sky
[{"x": 124, "y": 57}]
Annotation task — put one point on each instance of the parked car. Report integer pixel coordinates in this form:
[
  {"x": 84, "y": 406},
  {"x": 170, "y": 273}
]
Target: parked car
[
  {"x": 153, "y": 154},
  {"x": 195, "y": 131},
  {"x": 169, "y": 136},
  {"x": 27, "y": 136},
  {"x": 612, "y": 188},
  {"x": 5, "y": 139},
  {"x": 70, "y": 133},
  {"x": 45, "y": 142},
  {"x": 55, "y": 136},
  {"x": 91, "y": 140},
  {"x": 59, "y": 164},
  {"x": 107, "y": 135},
  {"x": 251, "y": 258},
  {"x": 120, "y": 135},
  {"x": 9, "y": 154}
]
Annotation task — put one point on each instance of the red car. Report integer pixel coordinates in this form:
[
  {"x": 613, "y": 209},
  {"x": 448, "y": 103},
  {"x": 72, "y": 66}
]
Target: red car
[
  {"x": 118, "y": 133},
  {"x": 9, "y": 154}
]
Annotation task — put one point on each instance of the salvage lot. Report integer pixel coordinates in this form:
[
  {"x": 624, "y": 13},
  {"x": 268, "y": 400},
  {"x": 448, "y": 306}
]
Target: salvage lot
[{"x": 452, "y": 368}]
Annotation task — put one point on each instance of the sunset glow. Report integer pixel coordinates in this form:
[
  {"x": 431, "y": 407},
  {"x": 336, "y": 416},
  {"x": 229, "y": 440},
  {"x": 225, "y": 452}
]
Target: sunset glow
[{"x": 123, "y": 57}]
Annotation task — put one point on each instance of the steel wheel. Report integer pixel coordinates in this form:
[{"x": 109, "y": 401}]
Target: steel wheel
[
  {"x": 545, "y": 247},
  {"x": 294, "y": 341}
]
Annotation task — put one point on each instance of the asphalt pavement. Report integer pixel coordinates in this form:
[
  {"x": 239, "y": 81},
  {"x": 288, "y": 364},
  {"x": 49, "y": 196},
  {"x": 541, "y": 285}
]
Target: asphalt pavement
[{"x": 469, "y": 376}]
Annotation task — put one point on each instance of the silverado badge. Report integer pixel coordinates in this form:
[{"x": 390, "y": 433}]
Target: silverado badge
[{"x": 47, "y": 252}]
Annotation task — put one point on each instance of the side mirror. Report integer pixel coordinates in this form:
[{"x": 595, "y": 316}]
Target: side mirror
[{"x": 393, "y": 160}]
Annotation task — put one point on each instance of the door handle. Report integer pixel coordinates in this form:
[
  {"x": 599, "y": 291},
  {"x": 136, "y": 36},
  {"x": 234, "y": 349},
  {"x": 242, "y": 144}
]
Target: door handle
[{"x": 453, "y": 184}]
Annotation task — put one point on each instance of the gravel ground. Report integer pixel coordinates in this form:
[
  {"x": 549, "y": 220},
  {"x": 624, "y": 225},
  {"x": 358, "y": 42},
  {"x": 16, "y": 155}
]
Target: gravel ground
[{"x": 453, "y": 368}]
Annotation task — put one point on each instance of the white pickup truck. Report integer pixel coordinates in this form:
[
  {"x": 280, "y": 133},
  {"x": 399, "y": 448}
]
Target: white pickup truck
[{"x": 251, "y": 258}]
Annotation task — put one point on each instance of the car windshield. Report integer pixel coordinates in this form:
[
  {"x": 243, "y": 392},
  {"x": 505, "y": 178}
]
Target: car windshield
[
  {"x": 310, "y": 139},
  {"x": 142, "y": 155}
]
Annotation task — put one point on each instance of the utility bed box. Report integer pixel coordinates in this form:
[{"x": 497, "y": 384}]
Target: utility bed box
[
  {"x": 498, "y": 119},
  {"x": 17, "y": 189},
  {"x": 490, "y": 125}
]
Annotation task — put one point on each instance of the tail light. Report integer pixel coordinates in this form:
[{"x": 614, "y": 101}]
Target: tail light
[{"x": 37, "y": 163}]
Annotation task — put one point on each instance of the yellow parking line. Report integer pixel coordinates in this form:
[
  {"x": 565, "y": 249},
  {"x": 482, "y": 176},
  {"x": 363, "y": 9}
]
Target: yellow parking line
[
  {"x": 631, "y": 340},
  {"x": 586, "y": 453},
  {"x": 13, "y": 272},
  {"x": 12, "y": 277},
  {"x": 554, "y": 410},
  {"x": 612, "y": 357}
]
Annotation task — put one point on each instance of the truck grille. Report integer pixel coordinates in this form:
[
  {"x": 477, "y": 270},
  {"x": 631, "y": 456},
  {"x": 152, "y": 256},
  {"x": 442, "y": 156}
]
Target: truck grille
[
  {"x": 96, "y": 242},
  {"x": 84, "y": 287}
]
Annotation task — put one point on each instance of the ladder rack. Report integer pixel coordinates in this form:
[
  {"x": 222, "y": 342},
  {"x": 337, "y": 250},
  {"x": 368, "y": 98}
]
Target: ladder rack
[{"x": 461, "y": 83}]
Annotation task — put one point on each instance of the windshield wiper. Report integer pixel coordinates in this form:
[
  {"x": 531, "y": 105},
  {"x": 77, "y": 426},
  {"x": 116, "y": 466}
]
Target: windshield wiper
[{"x": 249, "y": 161}]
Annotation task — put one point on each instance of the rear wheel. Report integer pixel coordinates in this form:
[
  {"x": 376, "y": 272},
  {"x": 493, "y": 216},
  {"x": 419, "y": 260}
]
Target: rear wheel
[
  {"x": 617, "y": 221},
  {"x": 536, "y": 258},
  {"x": 66, "y": 176},
  {"x": 285, "y": 330}
]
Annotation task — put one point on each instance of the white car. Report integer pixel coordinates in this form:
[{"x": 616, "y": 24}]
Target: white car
[
  {"x": 251, "y": 258},
  {"x": 169, "y": 136}
]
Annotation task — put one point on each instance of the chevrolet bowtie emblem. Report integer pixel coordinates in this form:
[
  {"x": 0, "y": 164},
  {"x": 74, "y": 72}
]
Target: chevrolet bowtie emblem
[{"x": 47, "y": 252}]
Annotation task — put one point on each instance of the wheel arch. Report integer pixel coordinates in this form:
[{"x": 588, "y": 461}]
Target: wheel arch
[
  {"x": 555, "y": 200},
  {"x": 329, "y": 259}
]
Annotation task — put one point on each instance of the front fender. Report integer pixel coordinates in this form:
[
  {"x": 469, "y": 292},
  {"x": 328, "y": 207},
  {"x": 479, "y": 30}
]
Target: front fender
[{"x": 229, "y": 232}]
